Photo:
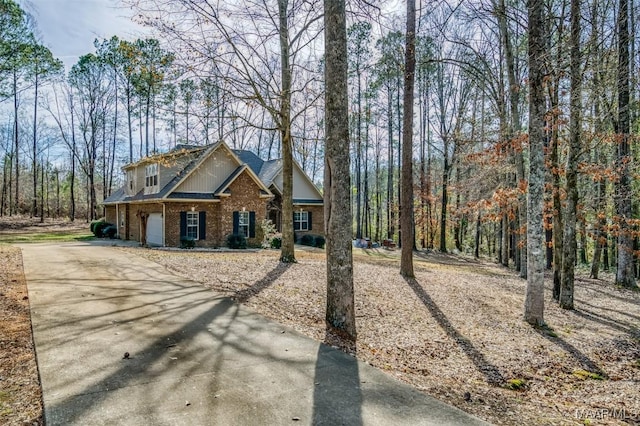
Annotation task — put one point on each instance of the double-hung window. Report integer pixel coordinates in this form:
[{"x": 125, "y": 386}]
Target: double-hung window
[
  {"x": 243, "y": 223},
  {"x": 301, "y": 221},
  {"x": 151, "y": 178},
  {"x": 131, "y": 182},
  {"x": 192, "y": 225}
]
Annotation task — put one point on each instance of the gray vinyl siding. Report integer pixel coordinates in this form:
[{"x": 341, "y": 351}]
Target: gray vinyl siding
[
  {"x": 211, "y": 174},
  {"x": 302, "y": 188}
]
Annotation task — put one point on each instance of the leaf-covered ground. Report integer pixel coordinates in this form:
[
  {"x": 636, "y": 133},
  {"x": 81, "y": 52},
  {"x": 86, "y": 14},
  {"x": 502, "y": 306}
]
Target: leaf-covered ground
[
  {"x": 20, "y": 394},
  {"x": 456, "y": 331}
]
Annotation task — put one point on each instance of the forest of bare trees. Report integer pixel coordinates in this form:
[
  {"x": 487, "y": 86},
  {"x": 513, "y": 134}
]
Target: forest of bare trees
[{"x": 516, "y": 106}]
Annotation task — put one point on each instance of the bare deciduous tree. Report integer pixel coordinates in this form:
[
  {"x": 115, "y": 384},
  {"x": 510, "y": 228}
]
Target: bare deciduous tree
[{"x": 337, "y": 182}]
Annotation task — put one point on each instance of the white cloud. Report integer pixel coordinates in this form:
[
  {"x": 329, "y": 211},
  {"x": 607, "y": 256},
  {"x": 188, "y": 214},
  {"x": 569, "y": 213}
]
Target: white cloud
[{"x": 69, "y": 27}]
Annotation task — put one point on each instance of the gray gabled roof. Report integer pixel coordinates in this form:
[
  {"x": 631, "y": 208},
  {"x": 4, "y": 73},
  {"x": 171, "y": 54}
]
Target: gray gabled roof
[
  {"x": 250, "y": 159},
  {"x": 116, "y": 196},
  {"x": 120, "y": 195},
  {"x": 265, "y": 171},
  {"x": 270, "y": 170}
]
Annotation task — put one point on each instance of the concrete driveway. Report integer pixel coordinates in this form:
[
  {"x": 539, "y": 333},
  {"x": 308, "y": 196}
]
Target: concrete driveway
[{"x": 194, "y": 358}]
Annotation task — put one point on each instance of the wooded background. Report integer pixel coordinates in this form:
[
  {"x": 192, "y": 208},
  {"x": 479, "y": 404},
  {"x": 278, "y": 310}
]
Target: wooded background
[{"x": 217, "y": 73}]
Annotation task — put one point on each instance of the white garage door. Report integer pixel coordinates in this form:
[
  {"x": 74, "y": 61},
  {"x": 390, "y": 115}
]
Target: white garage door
[{"x": 154, "y": 229}]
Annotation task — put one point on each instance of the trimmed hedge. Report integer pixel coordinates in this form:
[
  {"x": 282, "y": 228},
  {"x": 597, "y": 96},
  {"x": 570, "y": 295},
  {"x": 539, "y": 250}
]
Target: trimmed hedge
[
  {"x": 101, "y": 228},
  {"x": 109, "y": 231},
  {"x": 236, "y": 241},
  {"x": 187, "y": 243},
  {"x": 308, "y": 240},
  {"x": 276, "y": 242},
  {"x": 312, "y": 240},
  {"x": 94, "y": 224}
]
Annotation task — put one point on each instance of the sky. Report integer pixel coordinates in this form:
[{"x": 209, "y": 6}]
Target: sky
[{"x": 69, "y": 27}]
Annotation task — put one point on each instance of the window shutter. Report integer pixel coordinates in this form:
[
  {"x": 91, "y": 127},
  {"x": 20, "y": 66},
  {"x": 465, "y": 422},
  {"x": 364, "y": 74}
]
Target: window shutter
[
  {"x": 183, "y": 224},
  {"x": 309, "y": 219},
  {"x": 252, "y": 224},
  {"x": 202, "y": 224},
  {"x": 236, "y": 222}
]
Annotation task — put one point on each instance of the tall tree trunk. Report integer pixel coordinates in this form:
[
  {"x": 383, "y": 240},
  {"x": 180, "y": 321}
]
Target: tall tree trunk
[
  {"x": 570, "y": 220},
  {"x": 558, "y": 227},
  {"x": 153, "y": 118},
  {"x": 478, "y": 235},
  {"x": 359, "y": 156},
  {"x": 601, "y": 220},
  {"x": 534, "y": 297},
  {"x": 378, "y": 193},
  {"x": 583, "y": 240},
  {"x": 624, "y": 274},
  {"x": 104, "y": 158},
  {"x": 367, "y": 200},
  {"x": 92, "y": 214},
  {"x": 514, "y": 132},
  {"x": 57, "y": 193},
  {"x": 406, "y": 259},
  {"x": 391, "y": 217},
  {"x": 3, "y": 197},
  {"x": 340, "y": 312},
  {"x": 42, "y": 177},
  {"x": 146, "y": 124},
  {"x": 72, "y": 193},
  {"x": 34, "y": 207},
  {"x": 445, "y": 197},
  {"x": 140, "y": 126},
  {"x": 10, "y": 186},
  {"x": 399, "y": 151},
  {"x": 430, "y": 202},
  {"x": 114, "y": 140},
  {"x": 287, "y": 253},
  {"x": 129, "y": 124},
  {"x": 504, "y": 243},
  {"x": 423, "y": 159},
  {"x": 16, "y": 141}
]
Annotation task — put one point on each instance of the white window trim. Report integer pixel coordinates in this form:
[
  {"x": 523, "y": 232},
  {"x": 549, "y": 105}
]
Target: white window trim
[
  {"x": 195, "y": 217},
  {"x": 131, "y": 182},
  {"x": 244, "y": 227},
  {"x": 151, "y": 178},
  {"x": 301, "y": 214}
]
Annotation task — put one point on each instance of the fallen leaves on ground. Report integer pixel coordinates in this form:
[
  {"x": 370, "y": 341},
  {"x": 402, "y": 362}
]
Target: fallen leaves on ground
[
  {"x": 20, "y": 394},
  {"x": 456, "y": 331}
]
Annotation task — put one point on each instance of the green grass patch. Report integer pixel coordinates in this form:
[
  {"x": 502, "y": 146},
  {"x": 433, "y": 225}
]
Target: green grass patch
[
  {"x": 43, "y": 237},
  {"x": 4, "y": 410},
  {"x": 547, "y": 330},
  {"x": 584, "y": 375},
  {"x": 516, "y": 384}
]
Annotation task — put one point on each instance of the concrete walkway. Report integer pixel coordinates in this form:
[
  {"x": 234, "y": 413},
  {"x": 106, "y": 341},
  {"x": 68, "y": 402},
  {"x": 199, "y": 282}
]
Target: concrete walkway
[{"x": 195, "y": 358}]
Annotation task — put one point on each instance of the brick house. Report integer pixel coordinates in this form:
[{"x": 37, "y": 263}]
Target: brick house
[{"x": 206, "y": 193}]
